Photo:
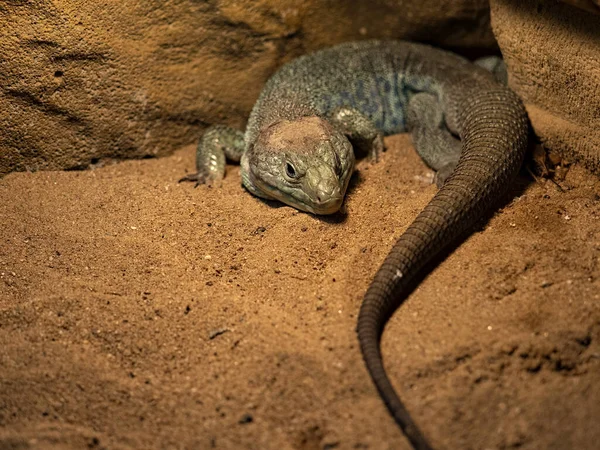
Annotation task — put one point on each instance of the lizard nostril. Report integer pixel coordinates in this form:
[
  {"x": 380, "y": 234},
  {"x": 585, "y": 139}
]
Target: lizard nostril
[{"x": 318, "y": 198}]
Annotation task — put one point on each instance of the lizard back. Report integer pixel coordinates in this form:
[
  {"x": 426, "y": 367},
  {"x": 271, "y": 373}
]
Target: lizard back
[{"x": 375, "y": 77}]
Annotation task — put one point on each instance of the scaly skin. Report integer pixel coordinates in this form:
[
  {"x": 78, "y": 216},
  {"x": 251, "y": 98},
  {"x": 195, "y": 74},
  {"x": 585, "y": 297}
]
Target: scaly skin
[
  {"x": 355, "y": 92},
  {"x": 493, "y": 128},
  {"x": 296, "y": 149}
]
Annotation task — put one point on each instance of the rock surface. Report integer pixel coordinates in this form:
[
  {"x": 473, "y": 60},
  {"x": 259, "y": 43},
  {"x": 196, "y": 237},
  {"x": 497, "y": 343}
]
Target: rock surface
[
  {"x": 552, "y": 50},
  {"x": 83, "y": 81}
]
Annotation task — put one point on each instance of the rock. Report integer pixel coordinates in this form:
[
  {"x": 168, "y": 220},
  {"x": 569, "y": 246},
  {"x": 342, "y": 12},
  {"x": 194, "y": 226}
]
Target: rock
[
  {"x": 552, "y": 50},
  {"x": 592, "y": 6},
  {"x": 82, "y": 82}
]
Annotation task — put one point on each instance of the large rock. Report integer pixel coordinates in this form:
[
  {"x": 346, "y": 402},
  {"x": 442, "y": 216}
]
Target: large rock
[
  {"x": 552, "y": 50},
  {"x": 86, "y": 80}
]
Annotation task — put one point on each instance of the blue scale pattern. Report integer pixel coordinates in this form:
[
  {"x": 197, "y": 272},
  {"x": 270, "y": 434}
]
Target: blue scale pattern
[{"x": 383, "y": 98}]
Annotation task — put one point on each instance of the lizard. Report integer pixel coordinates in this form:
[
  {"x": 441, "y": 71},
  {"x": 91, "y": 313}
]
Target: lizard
[{"x": 298, "y": 148}]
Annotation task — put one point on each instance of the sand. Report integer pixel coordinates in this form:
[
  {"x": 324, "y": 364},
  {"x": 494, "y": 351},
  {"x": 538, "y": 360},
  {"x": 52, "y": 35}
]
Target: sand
[{"x": 136, "y": 312}]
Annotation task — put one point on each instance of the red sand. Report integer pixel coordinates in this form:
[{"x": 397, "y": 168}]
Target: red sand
[{"x": 136, "y": 312}]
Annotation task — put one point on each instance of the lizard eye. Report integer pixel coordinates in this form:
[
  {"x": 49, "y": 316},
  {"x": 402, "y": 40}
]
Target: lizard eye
[{"x": 290, "y": 171}]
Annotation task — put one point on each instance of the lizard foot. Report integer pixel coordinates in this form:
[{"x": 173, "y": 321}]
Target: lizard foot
[
  {"x": 444, "y": 173},
  {"x": 200, "y": 178}
]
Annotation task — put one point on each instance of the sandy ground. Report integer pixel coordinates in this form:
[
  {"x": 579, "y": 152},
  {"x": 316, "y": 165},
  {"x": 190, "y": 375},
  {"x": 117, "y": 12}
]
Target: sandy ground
[{"x": 139, "y": 313}]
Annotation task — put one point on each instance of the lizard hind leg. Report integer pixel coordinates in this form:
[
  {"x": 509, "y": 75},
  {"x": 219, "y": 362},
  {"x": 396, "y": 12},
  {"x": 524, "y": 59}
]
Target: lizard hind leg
[
  {"x": 218, "y": 143},
  {"x": 496, "y": 66},
  {"x": 433, "y": 141}
]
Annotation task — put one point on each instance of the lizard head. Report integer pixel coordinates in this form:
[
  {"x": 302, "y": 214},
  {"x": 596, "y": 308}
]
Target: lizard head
[{"x": 305, "y": 163}]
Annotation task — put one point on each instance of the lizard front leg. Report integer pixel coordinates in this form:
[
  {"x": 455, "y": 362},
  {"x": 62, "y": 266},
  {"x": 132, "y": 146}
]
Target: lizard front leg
[
  {"x": 433, "y": 141},
  {"x": 218, "y": 143},
  {"x": 360, "y": 130}
]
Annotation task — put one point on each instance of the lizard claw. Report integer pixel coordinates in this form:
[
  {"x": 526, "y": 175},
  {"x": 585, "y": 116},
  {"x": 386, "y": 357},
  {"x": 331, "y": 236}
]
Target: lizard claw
[
  {"x": 186, "y": 178},
  {"x": 192, "y": 177},
  {"x": 377, "y": 148},
  {"x": 199, "y": 178}
]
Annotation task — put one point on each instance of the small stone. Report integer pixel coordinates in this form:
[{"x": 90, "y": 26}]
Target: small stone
[
  {"x": 246, "y": 418},
  {"x": 259, "y": 230},
  {"x": 217, "y": 332}
]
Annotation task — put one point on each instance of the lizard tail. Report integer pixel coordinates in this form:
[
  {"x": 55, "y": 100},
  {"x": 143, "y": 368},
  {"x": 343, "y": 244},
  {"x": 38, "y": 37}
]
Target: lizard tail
[{"x": 493, "y": 127}]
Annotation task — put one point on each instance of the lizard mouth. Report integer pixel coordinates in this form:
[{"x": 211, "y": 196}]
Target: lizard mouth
[
  {"x": 329, "y": 206},
  {"x": 319, "y": 201}
]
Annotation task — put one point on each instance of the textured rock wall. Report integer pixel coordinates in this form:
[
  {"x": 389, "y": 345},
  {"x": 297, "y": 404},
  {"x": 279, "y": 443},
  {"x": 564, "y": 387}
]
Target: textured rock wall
[
  {"x": 552, "y": 50},
  {"x": 81, "y": 81},
  {"x": 592, "y": 6}
]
